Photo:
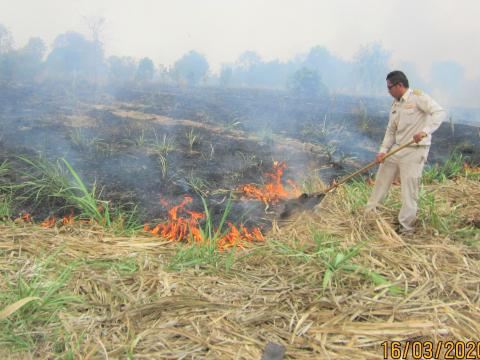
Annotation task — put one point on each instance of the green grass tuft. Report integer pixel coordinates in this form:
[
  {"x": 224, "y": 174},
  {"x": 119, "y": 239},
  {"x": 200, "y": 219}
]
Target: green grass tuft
[
  {"x": 335, "y": 259},
  {"x": 44, "y": 283},
  {"x": 206, "y": 253}
]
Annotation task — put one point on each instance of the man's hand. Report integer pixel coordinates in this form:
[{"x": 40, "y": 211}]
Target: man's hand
[
  {"x": 379, "y": 157},
  {"x": 419, "y": 136}
]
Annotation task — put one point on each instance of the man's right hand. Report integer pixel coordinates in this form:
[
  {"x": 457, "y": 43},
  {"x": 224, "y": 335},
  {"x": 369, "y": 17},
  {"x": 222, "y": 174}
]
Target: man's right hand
[{"x": 379, "y": 157}]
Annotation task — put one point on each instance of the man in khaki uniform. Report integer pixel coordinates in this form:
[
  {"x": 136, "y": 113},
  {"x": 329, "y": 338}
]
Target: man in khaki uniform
[{"x": 413, "y": 115}]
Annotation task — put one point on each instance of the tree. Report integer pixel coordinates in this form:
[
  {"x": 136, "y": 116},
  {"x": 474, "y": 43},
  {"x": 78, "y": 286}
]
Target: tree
[
  {"x": 6, "y": 40},
  {"x": 96, "y": 25},
  {"x": 35, "y": 48},
  {"x": 8, "y": 66},
  {"x": 334, "y": 71},
  {"x": 226, "y": 76},
  {"x": 30, "y": 60},
  {"x": 145, "y": 70},
  {"x": 307, "y": 82},
  {"x": 7, "y": 56},
  {"x": 248, "y": 59},
  {"x": 371, "y": 68},
  {"x": 121, "y": 69},
  {"x": 191, "y": 67},
  {"x": 247, "y": 68},
  {"x": 162, "y": 74},
  {"x": 74, "y": 56}
]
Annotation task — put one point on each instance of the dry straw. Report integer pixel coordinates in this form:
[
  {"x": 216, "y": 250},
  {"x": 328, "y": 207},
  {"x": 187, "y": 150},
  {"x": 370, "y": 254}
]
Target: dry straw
[{"x": 131, "y": 305}]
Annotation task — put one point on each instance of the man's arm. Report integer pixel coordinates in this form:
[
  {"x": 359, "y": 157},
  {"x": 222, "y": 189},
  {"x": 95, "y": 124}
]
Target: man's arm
[{"x": 389, "y": 138}]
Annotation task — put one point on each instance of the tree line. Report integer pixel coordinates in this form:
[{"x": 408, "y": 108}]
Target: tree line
[{"x": 76, "y": 58}]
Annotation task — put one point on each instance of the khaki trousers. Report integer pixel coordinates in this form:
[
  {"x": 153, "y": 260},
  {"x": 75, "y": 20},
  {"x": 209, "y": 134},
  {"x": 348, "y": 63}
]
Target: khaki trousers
[{"x": 408, "y": 163}]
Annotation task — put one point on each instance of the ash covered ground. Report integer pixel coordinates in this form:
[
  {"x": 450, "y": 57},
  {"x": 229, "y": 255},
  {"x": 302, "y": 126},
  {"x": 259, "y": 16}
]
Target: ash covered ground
[{"x": 144, "y": 146}]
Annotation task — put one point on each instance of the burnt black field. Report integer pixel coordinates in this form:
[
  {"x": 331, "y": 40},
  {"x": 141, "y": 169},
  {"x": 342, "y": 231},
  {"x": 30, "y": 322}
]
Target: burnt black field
[{"x": 140, "y": 146}]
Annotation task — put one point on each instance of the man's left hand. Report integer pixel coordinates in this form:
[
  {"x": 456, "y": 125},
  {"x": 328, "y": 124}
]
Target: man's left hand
[{"x": 419, "y": 136}]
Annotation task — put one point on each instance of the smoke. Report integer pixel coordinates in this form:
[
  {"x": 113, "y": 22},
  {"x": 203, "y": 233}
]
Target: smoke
[{"x": 143, "y": 146}]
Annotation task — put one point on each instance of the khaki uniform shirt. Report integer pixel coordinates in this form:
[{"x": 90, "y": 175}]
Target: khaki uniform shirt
[{"x": 413, "y": 113}]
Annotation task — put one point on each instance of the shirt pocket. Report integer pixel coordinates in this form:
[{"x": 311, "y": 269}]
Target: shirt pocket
[
  {"x": 409, "y": 115},
  {"x": 394, "y": 116}
]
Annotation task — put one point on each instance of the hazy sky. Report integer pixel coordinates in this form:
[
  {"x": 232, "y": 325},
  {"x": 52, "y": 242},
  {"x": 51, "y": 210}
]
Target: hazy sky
[{"x": 418, "y": 31}]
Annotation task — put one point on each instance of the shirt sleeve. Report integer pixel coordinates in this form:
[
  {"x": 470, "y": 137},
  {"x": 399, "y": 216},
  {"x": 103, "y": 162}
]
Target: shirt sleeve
[
  {"x": 389, "y": 138},
  {"x": 436, "y": 113}
]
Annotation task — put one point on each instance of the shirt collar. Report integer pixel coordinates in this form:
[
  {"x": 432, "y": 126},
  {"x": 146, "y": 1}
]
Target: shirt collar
[{"x": 404, "y": 97}]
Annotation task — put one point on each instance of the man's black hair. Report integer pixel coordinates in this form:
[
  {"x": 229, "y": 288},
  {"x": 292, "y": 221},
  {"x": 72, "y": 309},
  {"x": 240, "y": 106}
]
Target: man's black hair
[{"x": 397, "y": 77}]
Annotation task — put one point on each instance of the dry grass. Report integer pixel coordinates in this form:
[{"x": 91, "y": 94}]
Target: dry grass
[{"x": 129, "y": 305}]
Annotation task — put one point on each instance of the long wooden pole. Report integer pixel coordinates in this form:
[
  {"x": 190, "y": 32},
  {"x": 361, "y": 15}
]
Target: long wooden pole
[{"x": 359, "y": 171}]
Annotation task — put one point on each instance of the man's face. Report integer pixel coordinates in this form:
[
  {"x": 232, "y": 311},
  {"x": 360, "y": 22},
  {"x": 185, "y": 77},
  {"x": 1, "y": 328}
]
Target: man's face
[{"x": 394, "y": 89}]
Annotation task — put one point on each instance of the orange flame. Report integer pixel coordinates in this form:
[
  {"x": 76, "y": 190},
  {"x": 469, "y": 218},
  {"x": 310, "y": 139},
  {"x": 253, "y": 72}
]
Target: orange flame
[
  {"x": 49, "y": 223},
  {"x": 183, "y": 225},
  {"x": 177, "y": 227},
  {"x": 272, "y": 191},
  {"x": 237, "y": 238},
  {"x": 68, "y": 220},
  {"x": 471, "y": 169},
  {"x": 26, "y": 217}
]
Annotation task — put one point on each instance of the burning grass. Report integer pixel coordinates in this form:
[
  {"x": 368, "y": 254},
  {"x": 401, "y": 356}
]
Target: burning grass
[
  {"x": 57, "y": 183},
  {"x": 273, "y": 190},
  {"x": 187, "y": 228},
  {"x": 330, "y": 284}
]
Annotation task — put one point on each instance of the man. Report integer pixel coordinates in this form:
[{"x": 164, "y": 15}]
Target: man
[{"x": 413, "y": 115}]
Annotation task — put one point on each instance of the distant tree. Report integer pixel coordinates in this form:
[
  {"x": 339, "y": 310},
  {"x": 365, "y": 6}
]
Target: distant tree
[
  {"x": 74, "y": 56},
  {"x": 6, "y": 40},
  {"x": 162, "y": 74},
  {"x": 7, "y": 56},
  {"x": 145, "y": 70},
  {"x": 121, "y": 69},
  {"x": 22, "y": 65},
  {"x": 250, "y": 70},
  {"x": 30, "y": 60},
  {"x": 191, "y": 67},
  {"x": 8, "y": 67},
  {"x": 273, "y": 74},
  {"x": 226, "y": 76},
  {"x": 371, "y": 68},
  {"x": 307, "y": 82},
  {"x": 247, "y": 68},
  {"x": 335, "y": 72},
  {"x": 96, "y": 25},
  {"x": 318, "y": 58},
  {"x": 35, "y": 48},
  {"x": 248, "y": 59}
]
